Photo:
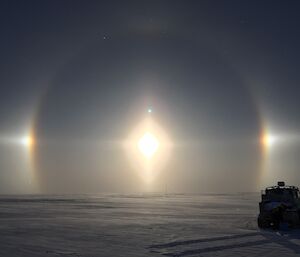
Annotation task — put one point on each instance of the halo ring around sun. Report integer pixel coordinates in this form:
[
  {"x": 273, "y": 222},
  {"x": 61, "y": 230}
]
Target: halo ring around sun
[{"x": 42, "y": 106}]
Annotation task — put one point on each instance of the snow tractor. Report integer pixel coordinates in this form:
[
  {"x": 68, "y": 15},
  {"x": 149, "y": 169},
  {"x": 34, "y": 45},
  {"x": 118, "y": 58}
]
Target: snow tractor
[{"x": 279, "y": 206}]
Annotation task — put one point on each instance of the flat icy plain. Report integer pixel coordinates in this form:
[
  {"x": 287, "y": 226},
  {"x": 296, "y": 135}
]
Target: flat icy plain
[{"x": 138, "y": 225}]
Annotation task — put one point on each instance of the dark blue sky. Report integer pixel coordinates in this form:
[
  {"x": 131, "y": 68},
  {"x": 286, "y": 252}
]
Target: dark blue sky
[{"x": 81, "y": 75}]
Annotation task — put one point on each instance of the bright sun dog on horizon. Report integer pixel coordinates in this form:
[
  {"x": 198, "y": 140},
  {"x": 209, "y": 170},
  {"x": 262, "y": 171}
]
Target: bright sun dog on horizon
[
  {"x": 268, "y": 140},
  {"x": 148, "y": 145},
  {"x": 27, "y": 141}
]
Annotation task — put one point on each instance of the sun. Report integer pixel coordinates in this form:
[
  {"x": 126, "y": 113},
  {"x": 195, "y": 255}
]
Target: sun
[
  {"x": 148, "y": 148},
  {"x": 148, "y": 145}
]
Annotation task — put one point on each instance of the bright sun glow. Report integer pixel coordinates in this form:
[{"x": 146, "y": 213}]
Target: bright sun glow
[
  {"x": 27, "y": 141},
  {"x": 268, "y": 140},
  {"x": 148, "y": 148},
  {"x": 148, "y": 145}
]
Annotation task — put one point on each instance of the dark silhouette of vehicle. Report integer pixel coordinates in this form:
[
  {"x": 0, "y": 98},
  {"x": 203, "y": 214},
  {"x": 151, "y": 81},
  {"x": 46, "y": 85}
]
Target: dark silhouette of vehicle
[{"x": 279, "y": 205}]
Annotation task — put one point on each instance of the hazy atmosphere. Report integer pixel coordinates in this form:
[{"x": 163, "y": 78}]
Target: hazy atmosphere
[
  {"x": 149, "y": 128},
  {"x": 148, "y": 96}
]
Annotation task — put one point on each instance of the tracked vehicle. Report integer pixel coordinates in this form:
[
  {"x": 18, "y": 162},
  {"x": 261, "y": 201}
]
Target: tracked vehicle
[{"x": 280, "y": 205}]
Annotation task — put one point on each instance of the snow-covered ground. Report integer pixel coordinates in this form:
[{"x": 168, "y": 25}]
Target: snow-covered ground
[{"x": 138, "y": 225}]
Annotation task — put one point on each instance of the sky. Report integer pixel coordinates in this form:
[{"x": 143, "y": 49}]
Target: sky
[{"x": 79, "y": 78}]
